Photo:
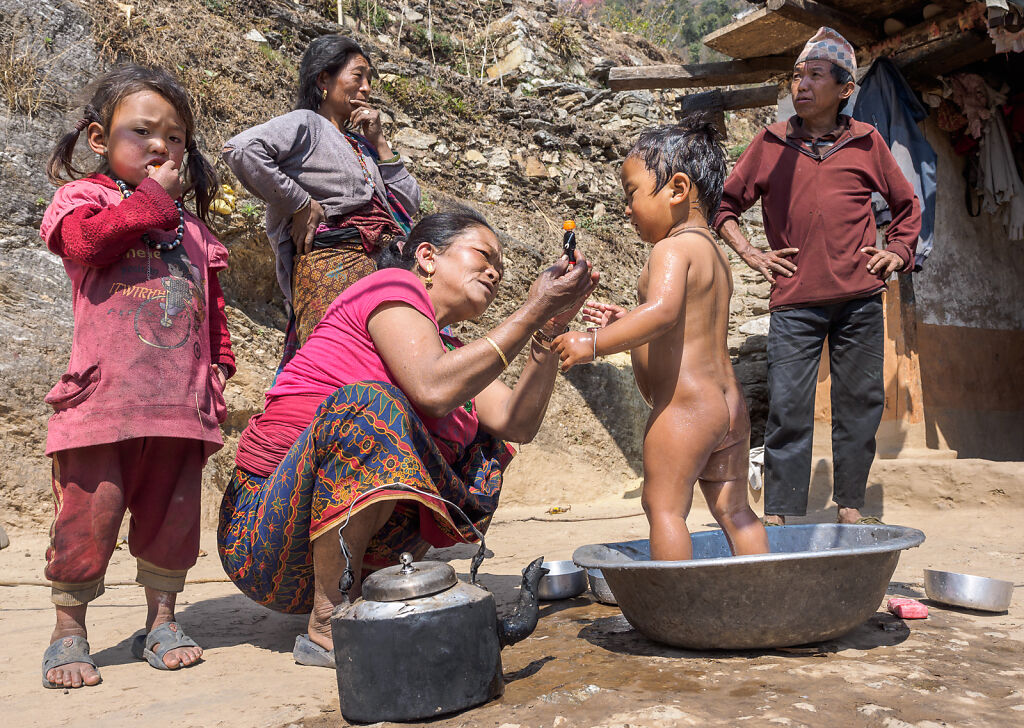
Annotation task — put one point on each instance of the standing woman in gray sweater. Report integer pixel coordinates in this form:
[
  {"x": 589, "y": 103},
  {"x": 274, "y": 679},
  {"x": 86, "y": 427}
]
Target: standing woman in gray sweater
[{"x": 336, "y": 192}]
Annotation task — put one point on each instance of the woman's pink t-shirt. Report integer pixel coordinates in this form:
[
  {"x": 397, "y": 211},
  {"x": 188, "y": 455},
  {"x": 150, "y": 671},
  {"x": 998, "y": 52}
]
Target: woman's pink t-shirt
[{"x": 339, "y": 352}]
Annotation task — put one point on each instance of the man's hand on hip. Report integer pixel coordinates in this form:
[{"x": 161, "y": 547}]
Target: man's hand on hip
[
  {"x": 771, "y": 262},
  {"x": 766, "y": 263},
  {"x": 883, "y": 263}
]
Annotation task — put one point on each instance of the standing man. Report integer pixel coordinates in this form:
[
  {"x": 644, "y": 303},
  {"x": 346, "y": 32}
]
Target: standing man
[{"x": 814, "y": 175}]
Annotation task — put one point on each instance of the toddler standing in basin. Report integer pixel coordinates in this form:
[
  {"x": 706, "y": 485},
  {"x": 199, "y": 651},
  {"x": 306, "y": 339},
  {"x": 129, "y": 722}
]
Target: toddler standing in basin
[{"x": 699, "y": 429}]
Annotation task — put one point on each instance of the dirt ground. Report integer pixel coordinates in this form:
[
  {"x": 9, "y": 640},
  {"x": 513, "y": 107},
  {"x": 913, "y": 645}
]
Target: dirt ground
[{"x": 584, "y": 665}]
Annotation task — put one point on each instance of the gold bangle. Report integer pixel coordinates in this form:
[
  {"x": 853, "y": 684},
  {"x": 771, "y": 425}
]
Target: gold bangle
[
  {"x": 497, "y": 348},
  {"x": 539, "y": 340}
]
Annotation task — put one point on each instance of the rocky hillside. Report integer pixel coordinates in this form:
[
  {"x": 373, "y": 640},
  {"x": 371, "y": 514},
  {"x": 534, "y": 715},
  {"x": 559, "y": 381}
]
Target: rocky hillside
[{"x": 496, "y": 103}]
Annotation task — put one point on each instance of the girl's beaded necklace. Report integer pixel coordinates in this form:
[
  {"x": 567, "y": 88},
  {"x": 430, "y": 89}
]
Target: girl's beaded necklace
[
  {"x": 126, "y": 193},
  {"x": 163, "y": 247}
]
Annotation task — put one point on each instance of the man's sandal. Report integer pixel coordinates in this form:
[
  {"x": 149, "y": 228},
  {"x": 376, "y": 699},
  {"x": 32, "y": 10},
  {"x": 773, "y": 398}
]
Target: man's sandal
[
  {"x": 65, "y": 651},
  {"x": 869, "y": 521},
  {"x": 169, "y": 637}
]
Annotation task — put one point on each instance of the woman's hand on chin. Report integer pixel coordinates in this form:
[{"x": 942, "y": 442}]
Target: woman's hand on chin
[
  {"x": 561, "y": 290},
  {"x": 366, "y": 119}
]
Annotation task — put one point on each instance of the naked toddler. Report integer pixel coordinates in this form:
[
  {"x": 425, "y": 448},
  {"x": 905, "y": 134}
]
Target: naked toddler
[{"x": 699, "y": 429}]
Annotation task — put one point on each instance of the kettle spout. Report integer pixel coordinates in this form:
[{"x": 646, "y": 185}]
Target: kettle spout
[{"x": 523, "y": 620}]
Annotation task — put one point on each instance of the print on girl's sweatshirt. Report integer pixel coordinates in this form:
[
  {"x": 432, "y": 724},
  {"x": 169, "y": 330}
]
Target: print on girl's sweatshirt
[{"x": 167, "y": 317}]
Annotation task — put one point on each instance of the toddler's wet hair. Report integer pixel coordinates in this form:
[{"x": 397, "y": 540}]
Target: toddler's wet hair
[{"x": 694, "y": 147}]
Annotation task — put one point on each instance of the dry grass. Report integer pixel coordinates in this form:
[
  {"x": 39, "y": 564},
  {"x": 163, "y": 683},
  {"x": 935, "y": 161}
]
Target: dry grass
[
  {"x": 25, "y": 68},
  {"x": 564, "y": 38},
  {"x": 233, "y": 82}
]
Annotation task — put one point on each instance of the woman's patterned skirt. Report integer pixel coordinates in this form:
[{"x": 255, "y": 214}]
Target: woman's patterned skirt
[{"x": 363, "y": 438}]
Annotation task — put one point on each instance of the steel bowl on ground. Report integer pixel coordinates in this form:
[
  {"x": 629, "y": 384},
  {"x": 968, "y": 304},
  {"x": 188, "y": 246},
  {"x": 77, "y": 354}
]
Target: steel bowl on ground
[
  {"x": 564, "y": 580},
  {"x": 967, "y": 590},
  {"x": 599, "y": 587},
  {"x": 819, "y": 582}
]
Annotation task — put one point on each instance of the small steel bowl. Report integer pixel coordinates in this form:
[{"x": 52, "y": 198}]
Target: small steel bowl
[
  {"x": 599, "y": 587},
  {"x": 564, "y": 580},
  {"x": 967, "y": 590}
]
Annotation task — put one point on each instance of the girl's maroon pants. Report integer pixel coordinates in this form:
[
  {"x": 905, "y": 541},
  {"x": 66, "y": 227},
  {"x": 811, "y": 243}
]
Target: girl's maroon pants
[{"x": 156, "y": 479}]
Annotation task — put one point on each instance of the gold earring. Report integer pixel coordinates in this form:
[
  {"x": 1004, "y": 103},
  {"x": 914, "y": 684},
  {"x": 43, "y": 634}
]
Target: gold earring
[
  {"x": 429, "y": 280},
  {"x": 323, "y": 94}
]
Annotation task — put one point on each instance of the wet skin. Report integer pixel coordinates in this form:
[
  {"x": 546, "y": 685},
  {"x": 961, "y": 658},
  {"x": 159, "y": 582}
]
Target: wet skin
[{"x": 677, "y": 338}]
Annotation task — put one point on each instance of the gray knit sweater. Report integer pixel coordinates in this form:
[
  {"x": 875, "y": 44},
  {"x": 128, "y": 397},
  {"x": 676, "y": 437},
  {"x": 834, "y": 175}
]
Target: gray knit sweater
[{"x": 299, "y": 155}]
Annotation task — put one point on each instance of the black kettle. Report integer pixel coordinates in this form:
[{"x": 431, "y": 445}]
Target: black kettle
[{"x": 420, "y": 643}]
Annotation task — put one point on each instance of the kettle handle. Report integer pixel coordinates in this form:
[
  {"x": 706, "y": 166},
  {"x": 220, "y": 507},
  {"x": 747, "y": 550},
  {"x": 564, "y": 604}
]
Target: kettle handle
[{"x": 348, "y": 576}]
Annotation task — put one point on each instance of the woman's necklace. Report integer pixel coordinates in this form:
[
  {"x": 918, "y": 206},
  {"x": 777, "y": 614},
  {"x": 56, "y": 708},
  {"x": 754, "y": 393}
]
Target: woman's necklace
[
  {"x": 126, "y": 193},
  {"x": 362, "y": 160}
]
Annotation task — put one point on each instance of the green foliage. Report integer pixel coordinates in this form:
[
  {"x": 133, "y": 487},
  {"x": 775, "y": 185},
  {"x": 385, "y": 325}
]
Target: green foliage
[
  {"x": 370, "y": 13},
  {"x": 421, "y": 97},
  {"x": 427, "y": 205},
  {"x": 736, "y": 150},
  {"x": 437, "y": 45},
  {"x": 679, "y": 24},
  {"x": 249, "y": 211}
]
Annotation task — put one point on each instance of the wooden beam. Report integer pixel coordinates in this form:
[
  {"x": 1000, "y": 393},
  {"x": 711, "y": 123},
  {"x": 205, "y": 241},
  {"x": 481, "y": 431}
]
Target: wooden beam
[
  {"x": 858, "y": 31},
  {"x": 936, "y": 46},
  {"x": 718, "y": 100},
  {"x": 696, "y": 75},
  {"x": 945, "y": 55}
]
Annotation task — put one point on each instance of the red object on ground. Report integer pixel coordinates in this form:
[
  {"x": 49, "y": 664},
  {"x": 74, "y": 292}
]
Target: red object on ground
[{"x": 906, "y": 608}]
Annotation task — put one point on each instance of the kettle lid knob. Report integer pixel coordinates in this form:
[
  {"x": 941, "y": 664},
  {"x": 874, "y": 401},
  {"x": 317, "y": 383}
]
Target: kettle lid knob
[{"x": 406, "y": 560}]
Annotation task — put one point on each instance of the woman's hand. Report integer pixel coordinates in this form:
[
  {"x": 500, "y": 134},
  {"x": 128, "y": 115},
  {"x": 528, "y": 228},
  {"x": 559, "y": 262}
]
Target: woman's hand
[
  {"x": 602, "y": 314},
  {"x": 574, "y": 347},
  {"x": 367, "y": 119},
  {"x": 561, "y": 290},
  {"x": 305, "y": 221}
]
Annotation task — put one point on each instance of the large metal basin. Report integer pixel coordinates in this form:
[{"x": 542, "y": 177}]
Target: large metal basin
[{"x": 819, "y": 582}]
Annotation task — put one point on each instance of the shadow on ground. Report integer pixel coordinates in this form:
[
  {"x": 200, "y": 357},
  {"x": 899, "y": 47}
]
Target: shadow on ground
[
  {"x": 248, "y": 623},
  {"x": 615, "y": 634}
]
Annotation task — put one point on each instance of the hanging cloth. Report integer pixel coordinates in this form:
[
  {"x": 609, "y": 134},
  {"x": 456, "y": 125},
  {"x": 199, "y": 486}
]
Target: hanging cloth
[
  {"x": 1000, "y": 182},
  {"x": 887, "y": 102}
]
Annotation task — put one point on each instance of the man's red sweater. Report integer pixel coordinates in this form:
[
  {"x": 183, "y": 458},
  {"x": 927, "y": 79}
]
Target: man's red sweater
[{"x": 823, "y": 207}]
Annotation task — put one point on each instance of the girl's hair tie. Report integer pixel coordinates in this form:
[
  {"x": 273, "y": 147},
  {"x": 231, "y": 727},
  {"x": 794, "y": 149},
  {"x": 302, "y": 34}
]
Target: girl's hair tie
[{"x": 81, "y": 124}]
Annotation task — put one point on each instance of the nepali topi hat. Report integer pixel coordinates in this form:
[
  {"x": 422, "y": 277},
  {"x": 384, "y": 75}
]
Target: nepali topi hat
[{"x": 828, "y": 45}]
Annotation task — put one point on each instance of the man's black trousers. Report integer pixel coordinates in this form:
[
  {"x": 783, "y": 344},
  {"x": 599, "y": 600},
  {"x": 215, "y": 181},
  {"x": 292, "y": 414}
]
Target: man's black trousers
[{"x": 854, "y": 332}]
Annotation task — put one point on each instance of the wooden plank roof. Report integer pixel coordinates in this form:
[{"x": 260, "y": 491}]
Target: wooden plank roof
[
  {"x": 764, "y": 42},
  {"x": 760, "y": 33},
  {"x": 779, "y": 27}
]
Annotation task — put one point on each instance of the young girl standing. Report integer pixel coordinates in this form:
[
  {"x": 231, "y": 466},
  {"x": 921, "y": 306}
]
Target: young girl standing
[{"x": 138, "y": 411}]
